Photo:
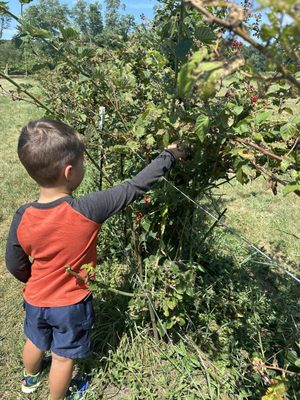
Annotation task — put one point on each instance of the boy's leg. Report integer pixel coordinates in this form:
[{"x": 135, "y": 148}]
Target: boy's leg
[
  {"x": 32, "y": 358},
  {"x": 60, "y": 376}
]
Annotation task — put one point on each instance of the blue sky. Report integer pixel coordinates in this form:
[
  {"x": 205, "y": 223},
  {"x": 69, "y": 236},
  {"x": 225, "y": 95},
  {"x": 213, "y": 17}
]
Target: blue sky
[{"x": 134, "y": 7}]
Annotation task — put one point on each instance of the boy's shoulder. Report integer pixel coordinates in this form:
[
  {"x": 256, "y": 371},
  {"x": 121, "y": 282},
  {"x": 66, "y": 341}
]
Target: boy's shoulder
[{"x": 20, "y": 211}]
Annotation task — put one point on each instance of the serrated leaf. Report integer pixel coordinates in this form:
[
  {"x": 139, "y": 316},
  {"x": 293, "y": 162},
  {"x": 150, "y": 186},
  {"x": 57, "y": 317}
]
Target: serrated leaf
[
  {"x": 69, "y": 33},
  {"x": 39, "y": 33},
  {"x": 205, "y": 34},
  {"x": 186, "y": 77},
  {"x": 183, "y": 47},
  {"x": 202, "y": 126},
  {"x": 262, "y": 116},
  {"x": 288, "y": 130}
]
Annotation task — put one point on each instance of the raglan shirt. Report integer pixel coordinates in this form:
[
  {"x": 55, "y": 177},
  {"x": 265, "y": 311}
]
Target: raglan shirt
[{"x": 63, "y": 233}]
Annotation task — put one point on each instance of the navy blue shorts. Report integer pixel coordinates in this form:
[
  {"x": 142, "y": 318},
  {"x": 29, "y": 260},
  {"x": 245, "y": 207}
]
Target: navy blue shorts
[{"x": 63, "y": 330}]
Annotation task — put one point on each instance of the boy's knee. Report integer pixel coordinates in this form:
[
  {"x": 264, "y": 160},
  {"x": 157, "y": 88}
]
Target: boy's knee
[{"x": 58, "y": 358}]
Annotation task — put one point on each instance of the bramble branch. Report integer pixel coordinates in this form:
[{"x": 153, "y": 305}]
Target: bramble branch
[
  {"x": 239, "y": 30},
  {"x": 112, "y": 290}
]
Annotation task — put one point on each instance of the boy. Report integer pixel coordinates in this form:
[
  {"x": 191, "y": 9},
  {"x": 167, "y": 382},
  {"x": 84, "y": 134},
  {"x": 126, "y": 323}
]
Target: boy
[{"x": 57, "y": 231}]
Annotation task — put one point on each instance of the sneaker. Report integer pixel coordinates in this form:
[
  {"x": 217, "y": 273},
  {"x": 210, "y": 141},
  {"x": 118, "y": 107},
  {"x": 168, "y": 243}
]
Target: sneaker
[
  {"x": 77, "y": 388},
  {"x": 30, "y": 383}
]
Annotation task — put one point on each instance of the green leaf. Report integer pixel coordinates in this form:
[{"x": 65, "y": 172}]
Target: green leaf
[
  {"x": 202, "y": 126},
  {"x": 262, "y": 116},
  {"x": 288, "y": 130},
  {"x": 296, "y": 119},
  {"x": 39, "y": 33},
  {"x": 237, "y": 110},
  {"x": 69, "y": 33},
  {"x": 183, "y": 47},
  {"x": 290, "y": 188},
  {"x": 83, "y": 78},
  {"x": 205, "y": 34},
  {"x": 3, "y": 7},
  {"x": 297, "y": 363},
  {"x": 186, "y": 77},
  {"x": 25, "y": 1},
  {"x": 273, "y": 89}
]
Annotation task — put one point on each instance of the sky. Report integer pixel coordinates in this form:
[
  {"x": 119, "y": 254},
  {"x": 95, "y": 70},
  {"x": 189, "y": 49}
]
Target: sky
[{"x": 134, "y": 7}]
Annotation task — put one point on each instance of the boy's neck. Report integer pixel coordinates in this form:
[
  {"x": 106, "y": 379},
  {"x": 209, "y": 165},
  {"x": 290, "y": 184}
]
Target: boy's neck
[{"x": 51, "y": 194}]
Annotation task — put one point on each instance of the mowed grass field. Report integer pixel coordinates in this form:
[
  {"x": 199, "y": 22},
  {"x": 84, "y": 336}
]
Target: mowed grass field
[{"x": 267, "y": 220}]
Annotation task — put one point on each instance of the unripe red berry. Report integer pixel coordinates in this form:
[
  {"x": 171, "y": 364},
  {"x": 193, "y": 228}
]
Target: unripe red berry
[
  {"x": 138, "y": 217},
  {"x": 147, "y": 200}
]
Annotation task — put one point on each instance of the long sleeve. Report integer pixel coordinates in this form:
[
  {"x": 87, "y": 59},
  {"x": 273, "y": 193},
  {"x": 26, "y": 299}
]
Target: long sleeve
[
  {"x": 17, "y": 261},
  {"x": 98, "y": 206}
]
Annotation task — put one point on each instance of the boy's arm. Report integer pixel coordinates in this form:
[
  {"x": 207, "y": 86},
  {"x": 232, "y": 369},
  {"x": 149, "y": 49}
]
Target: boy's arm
[
  {"x": 99, "y": 206},
  {"x": 17, "y": 261}
]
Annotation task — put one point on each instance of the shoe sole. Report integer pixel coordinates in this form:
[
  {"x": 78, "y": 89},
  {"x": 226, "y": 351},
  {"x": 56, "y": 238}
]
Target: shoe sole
[{"x": 26, "y": 389}]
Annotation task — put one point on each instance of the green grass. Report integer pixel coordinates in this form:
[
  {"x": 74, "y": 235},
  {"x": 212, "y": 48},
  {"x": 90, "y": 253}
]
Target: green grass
[
  {"x": 16, "y": 188},
  {"x": 271, "y": 222},
  {"x": 126, "y": 363}
]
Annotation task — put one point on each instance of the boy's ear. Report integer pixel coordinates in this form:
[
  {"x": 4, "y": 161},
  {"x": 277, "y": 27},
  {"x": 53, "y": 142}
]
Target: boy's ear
[{"x": 67, "y": 172}]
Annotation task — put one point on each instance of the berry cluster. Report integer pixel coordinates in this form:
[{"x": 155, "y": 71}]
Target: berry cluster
[{"x": 236, "y": 43}]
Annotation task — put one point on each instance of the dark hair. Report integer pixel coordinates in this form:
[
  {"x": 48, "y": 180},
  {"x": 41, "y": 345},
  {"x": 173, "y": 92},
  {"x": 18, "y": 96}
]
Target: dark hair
[{"x": 45, "y": 146}]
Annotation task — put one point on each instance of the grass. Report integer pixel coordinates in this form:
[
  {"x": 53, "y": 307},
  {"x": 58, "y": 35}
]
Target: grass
[{"x": 126, "y": 363}]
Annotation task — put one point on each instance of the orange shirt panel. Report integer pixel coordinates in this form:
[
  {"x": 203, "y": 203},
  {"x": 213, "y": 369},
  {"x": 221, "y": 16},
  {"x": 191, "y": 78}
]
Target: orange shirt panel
[{"x": 55, "y": 238}]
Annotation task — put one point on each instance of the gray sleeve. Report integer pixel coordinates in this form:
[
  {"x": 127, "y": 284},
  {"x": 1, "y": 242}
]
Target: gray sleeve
[
  {"x": 17, "y": 261},
  {"x": 98, "y": 206}
]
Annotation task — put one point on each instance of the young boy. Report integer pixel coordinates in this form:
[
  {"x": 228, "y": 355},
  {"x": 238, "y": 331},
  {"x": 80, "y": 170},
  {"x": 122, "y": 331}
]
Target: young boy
[{"x": 57, "y": 231}]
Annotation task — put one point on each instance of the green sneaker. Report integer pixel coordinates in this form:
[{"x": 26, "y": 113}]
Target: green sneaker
[{"x": 30, "y": 383}]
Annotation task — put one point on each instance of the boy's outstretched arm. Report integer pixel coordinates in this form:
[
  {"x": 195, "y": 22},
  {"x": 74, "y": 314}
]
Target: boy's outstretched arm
[
  {"x": 17, "y": 261},
  {"x": 98, "y": 206}
]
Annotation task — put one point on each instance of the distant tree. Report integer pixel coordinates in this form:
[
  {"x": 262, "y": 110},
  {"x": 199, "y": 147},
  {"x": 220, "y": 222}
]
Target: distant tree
[
  {"x": 4, "y": 24},
  {"x": 47, "y": 14},
  {"x": 88, "y": 19},
  {"x": 95, "y": 22},
  {"x": 116, "y": 24}
]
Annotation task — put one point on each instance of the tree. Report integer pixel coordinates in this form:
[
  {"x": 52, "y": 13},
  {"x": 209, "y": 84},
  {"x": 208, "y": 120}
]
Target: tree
[
  {"x": 116, "y": 24},
  {"x": 88, "y": 18},
  {"x": 4, "y": 24},
  {"x": 95, "y": 22},
  {"x": 47, "y": 14}
]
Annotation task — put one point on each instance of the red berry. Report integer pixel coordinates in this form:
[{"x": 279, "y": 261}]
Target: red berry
[
  {"x": 147, "y": 200},
  {"x": 254, "y": 99},
  {"x": 227, "y": 94},
  {"x": 138, "y": 217}
]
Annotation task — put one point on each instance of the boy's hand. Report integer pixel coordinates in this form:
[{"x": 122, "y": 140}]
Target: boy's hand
[{"x": 177, "y": 150}]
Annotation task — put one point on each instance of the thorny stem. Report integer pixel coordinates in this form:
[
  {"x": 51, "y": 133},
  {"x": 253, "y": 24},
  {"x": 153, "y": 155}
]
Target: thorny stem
[
  {"x": 35, "y": 99},
  {"x": 112, "y": 290}
]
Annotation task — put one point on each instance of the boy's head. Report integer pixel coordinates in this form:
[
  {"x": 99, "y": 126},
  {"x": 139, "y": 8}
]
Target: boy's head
[{"x": 45, "y": 147}]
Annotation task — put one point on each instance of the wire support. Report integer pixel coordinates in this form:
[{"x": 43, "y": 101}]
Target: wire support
[{"x": 229, "y": 229}]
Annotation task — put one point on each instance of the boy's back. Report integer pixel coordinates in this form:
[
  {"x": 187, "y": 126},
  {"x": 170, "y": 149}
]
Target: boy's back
[{"x": 56, "y": 232}]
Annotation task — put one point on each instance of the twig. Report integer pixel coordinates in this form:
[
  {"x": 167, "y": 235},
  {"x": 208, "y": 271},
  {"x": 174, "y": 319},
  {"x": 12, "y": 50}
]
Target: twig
[
  {"x": 258, "y": 148},
  {"x": 35, "y": 99},
  {"x": 112, "y": 290}
]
